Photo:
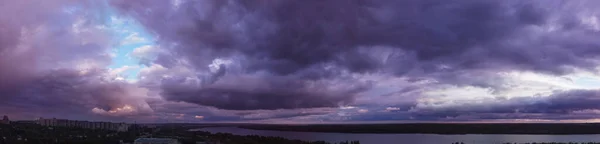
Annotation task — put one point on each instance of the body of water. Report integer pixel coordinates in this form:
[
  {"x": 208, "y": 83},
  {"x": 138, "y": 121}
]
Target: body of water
[{"x": 407, "y": 138}]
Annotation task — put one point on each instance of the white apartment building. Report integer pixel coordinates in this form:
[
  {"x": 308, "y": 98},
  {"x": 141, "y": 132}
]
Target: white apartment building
[{"x": 83, "y": 124}]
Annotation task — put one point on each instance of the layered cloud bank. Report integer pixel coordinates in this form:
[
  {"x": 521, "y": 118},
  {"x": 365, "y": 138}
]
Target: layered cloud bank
[
  {"x": 303, "y": 61},
  {"x": 54, "y": 58}
]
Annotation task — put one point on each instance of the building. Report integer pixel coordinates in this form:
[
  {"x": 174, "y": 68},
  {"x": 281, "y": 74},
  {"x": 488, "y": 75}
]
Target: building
[
  {"x": 47, "y": 122},
  {"x": 24, "y": 122},
  {"x": 155, "y": 141},
  {"x": 83, "y": 124},
  {"x": 123, "y": 127},
  {"x": 5, "y": 120}
]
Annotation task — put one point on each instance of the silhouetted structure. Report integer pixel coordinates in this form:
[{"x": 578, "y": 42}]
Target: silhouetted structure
[
  {"x": 5, "y": 120},
  {"x": 155, "y": 141}
]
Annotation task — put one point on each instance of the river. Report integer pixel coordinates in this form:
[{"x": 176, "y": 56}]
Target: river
[{"x": 407, "y": 138}]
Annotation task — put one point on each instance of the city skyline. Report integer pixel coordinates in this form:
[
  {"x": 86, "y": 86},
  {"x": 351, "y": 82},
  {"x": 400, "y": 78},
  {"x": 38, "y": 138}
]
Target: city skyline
[
  {"x": 53, "y": 122},
  {"x": 301, "y": 61}
]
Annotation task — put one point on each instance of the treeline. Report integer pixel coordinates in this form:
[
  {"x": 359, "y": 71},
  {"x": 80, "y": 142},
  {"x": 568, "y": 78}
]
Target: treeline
[
  {"x": 185, "y": 136},
  {"x": 557, "y": 143},
  {"x": 36, "y": 134},
  {"x": 545, "y": 143},
  {"x": 226, "y": 138},
  {"x": 431, "y": 128}
]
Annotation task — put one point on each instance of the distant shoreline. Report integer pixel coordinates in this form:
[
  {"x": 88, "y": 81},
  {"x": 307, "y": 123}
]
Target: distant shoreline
[{"x": 442, "y": 129}]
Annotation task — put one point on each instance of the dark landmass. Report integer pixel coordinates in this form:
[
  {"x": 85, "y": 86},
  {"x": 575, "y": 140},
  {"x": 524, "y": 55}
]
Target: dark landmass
[
  {"x": 553, "y": 143},
  {"x": 430, "y": 128},
  {"x": 27, "y": 133}
]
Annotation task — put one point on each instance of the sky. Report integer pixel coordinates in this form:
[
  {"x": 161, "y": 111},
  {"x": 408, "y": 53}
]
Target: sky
[{"x": 300, "y": 61}]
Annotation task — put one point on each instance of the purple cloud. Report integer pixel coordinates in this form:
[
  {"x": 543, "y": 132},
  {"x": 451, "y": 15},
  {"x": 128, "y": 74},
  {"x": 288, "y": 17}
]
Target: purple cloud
[
  {"x": 302, "y": 60},
  {"x": 54, "y": 55},
  {"x": 286, "y": 47}
]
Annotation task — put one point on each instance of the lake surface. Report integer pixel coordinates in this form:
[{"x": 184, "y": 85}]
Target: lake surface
[{"x": 407, "y": 138}]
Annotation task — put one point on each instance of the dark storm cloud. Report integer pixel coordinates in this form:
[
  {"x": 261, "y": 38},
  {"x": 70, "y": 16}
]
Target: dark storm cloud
[
  {"x": 287, "y": 36},
  {"x": 261, "y": 93},
  {"x": 183, "y": 111},
  {"x": 243, "y": 100},
  {"x": 461, "y": 43},
  {"x": 280, "y": 59}
]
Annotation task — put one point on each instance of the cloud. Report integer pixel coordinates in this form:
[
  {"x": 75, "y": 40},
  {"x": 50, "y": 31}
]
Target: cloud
[
  {"x": 199, "y": 117},
  {"x": 122, "y": 70},
  {"x": 54, "y": 55},
  {"x": 39, "y": 43},
  {"x": 66, "y": 92},
  {"x": 417, "y": 33},
  {"x": 363, "y": 110},
  {"x": 347, "y": 107},
  {"x": 376, "y": 37},
  {"x": 258, "y": 93},
  {"x": 133, "y": 38},
  {"x": 392, "y": 109},
  {"x": 417, "y": 59},
  {"x": 570, "y": 104},
  {"x": 142, "y": 51},
  {"x": 120, "y": 111},
  {"x": 145, "y": 53},
  {"x": 303, "y": 60},
  {"x": 282, "y": 113}
]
